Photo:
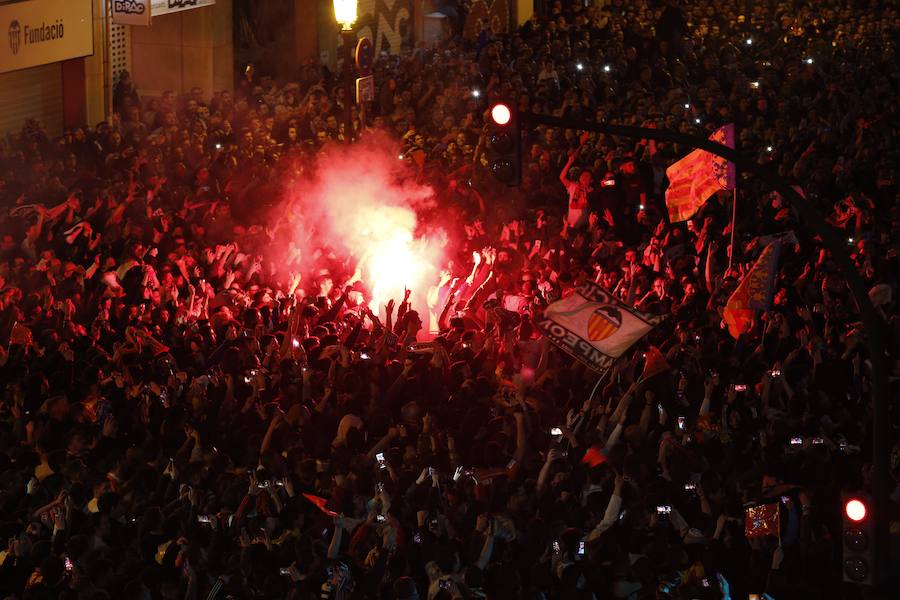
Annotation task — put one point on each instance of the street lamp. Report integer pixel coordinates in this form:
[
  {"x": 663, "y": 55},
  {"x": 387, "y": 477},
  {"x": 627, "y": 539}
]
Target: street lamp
[{"x": 345, "y": 15}]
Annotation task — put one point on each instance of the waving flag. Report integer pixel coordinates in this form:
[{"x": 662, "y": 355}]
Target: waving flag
[
  {"x": 156, "y": 347},
  {"x": 761, "y": 521},
  {"x": 594, "y": 456},
  {"x": 753, "y": 293},
  {"x": 593, "y": 326},
  {"x": 20, "y": 335},
  {"x": 699, "y": 175},
  {"x": 320, "y": 503},
  {"x": 654, "y": 364}
]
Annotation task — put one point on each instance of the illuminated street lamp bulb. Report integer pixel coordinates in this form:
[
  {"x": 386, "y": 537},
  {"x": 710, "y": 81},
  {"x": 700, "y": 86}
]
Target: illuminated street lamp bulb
[
  {"x": 749, "y": 41},
  {"x": 475, "y": 93},
  {"x": 769, "y": 148},
  {"x": 607, "y": 68},
  {"x": 345, "y": 13},
  {"x": 754, "y": 84},
  {"x": 697, "y": 120},
  {"x": 687, "y": 105},
  {"x": 579, "y": 66},
  {"x": 809, "y": 61}
]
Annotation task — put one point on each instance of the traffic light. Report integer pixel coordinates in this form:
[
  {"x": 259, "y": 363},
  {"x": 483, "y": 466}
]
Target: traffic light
[
  {"x": 858, "y": 539},
  {"x": 504, "y": 143}
]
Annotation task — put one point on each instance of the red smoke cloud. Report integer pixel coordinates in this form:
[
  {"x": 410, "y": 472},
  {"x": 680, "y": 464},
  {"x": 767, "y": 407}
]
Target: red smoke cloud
[{"x": 359, "y": 211}]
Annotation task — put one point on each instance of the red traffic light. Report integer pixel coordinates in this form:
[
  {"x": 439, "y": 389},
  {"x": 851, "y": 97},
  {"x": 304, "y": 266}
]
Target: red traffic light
[
  {"x": 500, "y": 114},
  {"x": 855, "y": 510}
]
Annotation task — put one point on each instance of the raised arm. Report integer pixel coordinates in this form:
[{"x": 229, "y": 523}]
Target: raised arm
[
  {"x": 619, "y": 416},
  {"x": 544, "y": 475},
  {"x": 334, "y": 548},
  {"x": 521, "y": 437},
  {"x": 709, "y": 271},
  {"x": 488, "y": 547},
  {"x": 708, "y": 389},
  {"x": 612, "y": 510}
]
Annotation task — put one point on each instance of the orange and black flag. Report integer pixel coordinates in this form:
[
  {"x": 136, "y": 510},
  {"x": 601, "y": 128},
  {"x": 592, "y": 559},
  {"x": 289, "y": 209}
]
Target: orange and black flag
[
  {"x": 593, "y": 326},
  {"x": 753, "y": 293}
]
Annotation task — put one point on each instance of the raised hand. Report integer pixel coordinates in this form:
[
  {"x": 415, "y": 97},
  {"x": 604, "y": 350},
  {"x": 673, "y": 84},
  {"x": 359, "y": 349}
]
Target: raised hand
[
  {"x": 490, "y": 256},
  {"x": 170, "y": 470},
  {"x": 288, "y": 486},
  {"x": 110, "y": 428}
]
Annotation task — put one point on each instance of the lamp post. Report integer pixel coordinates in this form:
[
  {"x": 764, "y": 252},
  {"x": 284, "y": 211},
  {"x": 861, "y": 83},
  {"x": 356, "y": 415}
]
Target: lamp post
[{"x": 345, "y": 15}]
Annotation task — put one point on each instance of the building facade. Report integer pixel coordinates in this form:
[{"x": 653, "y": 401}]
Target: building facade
[{"x": 61, "y": 58}]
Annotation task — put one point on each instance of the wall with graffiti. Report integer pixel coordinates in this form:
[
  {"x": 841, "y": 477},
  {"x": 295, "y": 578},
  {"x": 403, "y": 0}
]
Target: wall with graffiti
[{"x": 388, "y": 23}]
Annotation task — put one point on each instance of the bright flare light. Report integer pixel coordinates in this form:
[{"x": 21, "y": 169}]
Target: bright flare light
[
  {"x": 345, "y": 13},
  {"x": 393, "y": 265},
  {"x": 500, "y": 114}
]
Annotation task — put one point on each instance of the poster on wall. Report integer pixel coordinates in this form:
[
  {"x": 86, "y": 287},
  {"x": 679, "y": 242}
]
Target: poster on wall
[
  {"x": 487, "y": 15},
  {"x": 388, "y": 23},
  {"x": 39, "y": 32},
  {"x": 164, "y": 7},
  {"x": 131, "y": 12}
]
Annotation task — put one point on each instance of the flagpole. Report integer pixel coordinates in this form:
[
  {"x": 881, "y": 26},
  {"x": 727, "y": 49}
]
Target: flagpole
[
  {"x": 596, "y": 385},
  {"x": 734, "y": 144},
  {"x": 733, "y": 222}
]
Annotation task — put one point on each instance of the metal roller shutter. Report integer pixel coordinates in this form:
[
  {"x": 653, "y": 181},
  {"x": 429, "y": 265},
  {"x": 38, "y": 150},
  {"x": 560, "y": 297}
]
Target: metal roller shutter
[
  {"x": 34, "y": 93},
  {"x": 119, "y": 51}
]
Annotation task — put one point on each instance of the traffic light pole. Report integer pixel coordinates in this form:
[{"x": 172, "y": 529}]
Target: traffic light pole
[
  {"x": 874, "y": 326},
  {"x": 349, "y": 38}
]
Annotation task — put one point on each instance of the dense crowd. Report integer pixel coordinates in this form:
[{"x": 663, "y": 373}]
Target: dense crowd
[{"x": 184, "y": 418}]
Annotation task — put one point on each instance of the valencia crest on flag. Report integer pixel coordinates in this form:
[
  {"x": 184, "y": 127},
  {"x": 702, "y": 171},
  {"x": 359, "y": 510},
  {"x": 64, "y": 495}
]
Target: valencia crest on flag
[
  {"x": 593, "y": 326},
  {"x": 604, "y": 322}
]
